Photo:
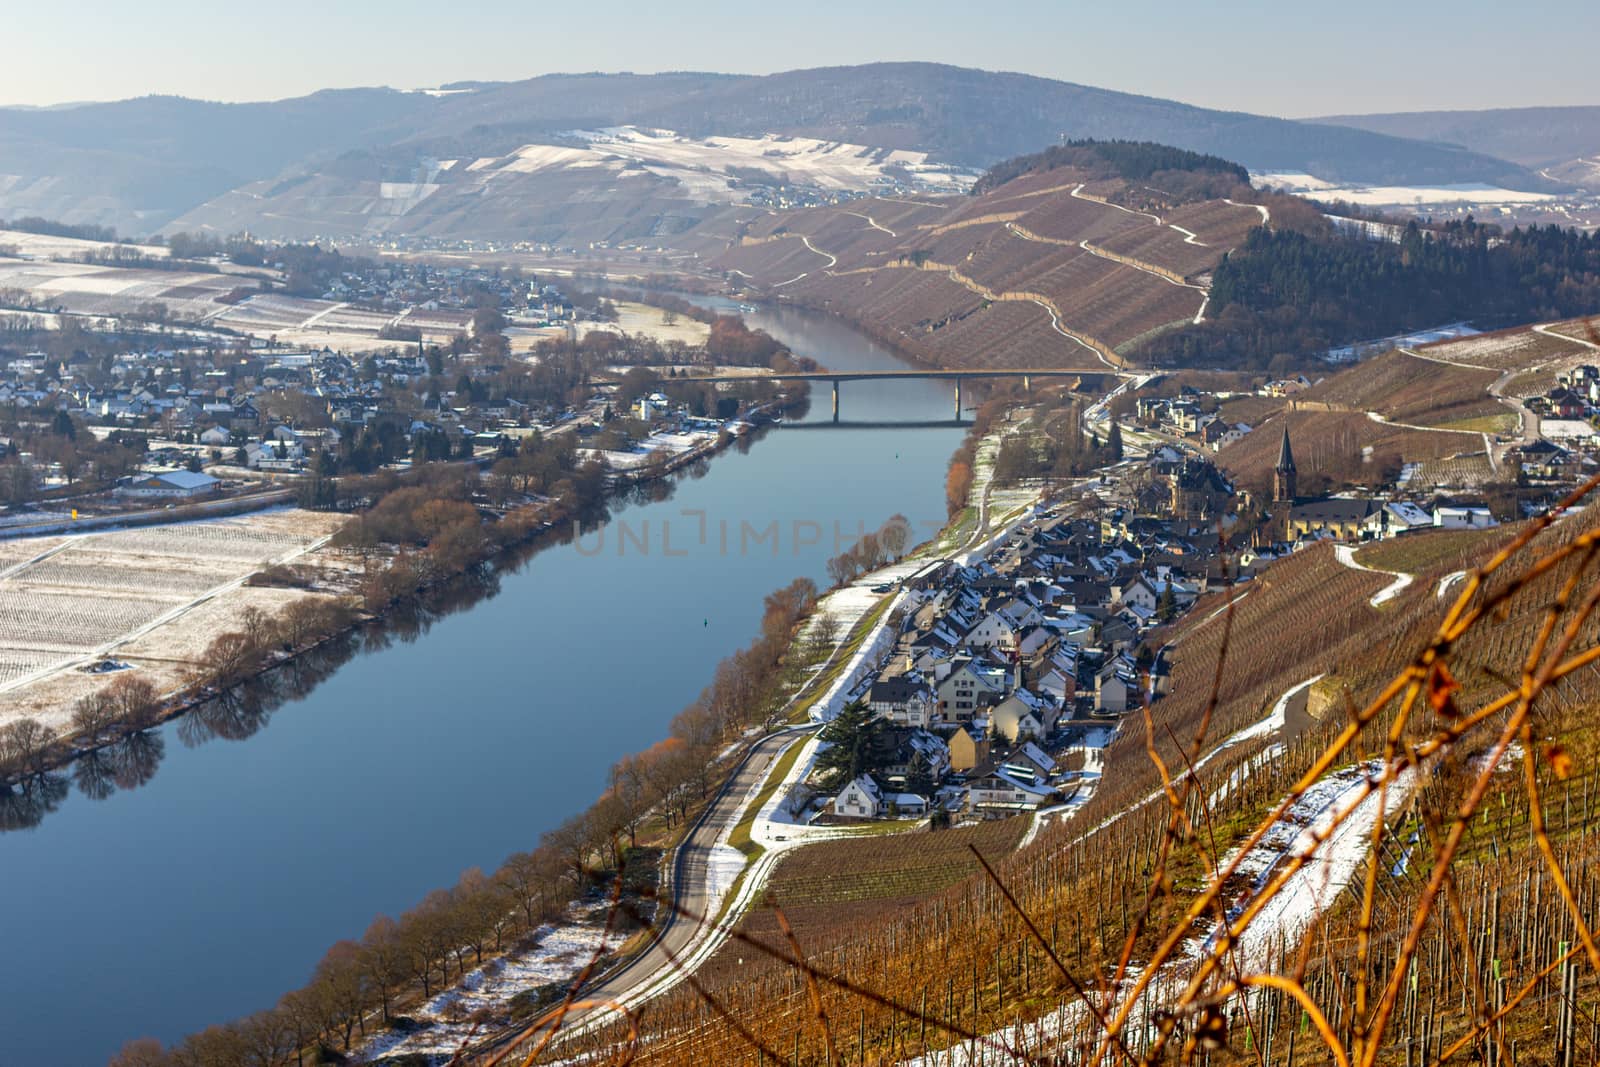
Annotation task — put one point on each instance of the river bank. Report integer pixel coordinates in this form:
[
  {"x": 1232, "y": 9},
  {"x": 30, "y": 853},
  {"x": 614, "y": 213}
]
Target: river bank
[
  {"x": 237, "y": 630},
  {"x": 377, "y": 768}
]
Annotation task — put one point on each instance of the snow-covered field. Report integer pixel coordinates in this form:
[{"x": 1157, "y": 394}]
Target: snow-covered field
[
  {"x": 1398, "y": 195},
  {"x": 674, "y": 444},
  {"x": 154, "y": 596},
  {"x": 702, "y": 164},
  {"x": 95, "y": 290},
  {"x": 1351, "y": 353},
  {"x": 44, "y": 246}
]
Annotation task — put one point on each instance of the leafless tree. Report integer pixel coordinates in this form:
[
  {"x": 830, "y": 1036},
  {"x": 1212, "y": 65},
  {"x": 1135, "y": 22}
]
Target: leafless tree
[
  {"x": 895, "y": 535},
  {"x": 23, "y": 747},
  {"x": 383, "y": 958},
  {"x": 141, "y": 1052},
  {"x": 93, "y": 714},
  {"x": 134, "y": 701},
  {"x": 346, "y": 985}
]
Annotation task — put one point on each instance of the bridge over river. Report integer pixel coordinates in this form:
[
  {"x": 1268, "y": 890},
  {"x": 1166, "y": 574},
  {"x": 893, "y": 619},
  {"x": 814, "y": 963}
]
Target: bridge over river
[{"x": 1027, "y": 374}]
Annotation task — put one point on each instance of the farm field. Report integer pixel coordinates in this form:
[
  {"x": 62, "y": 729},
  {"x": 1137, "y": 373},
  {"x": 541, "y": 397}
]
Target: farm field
[
  {"x": 833, "y": 885},
  {"x": 1519, "y": 348},
  {"x": 645, "y": 321},
  {"x": 1434, "y": 551},
  {"x": 152, "y": 597},
  {"x": 95, "y": 290},
  {"x": 1455, "y": 472},
  {"x": 49, "y": 246},
  {"x": 1408, "y": 389},
  {"x": 315, "y": 323}
]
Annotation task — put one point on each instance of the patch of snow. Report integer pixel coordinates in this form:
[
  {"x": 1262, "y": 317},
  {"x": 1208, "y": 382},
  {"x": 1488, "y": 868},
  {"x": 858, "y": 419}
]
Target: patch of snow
[{"x": 563, "y": 950}]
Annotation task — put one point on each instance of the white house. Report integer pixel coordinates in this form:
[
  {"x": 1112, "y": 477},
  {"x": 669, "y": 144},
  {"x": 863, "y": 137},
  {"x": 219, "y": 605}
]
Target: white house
[
  {"x": 995, "y": 631},
  {"x": 275, "y": 455},
  {"x": 1000, "y": 792},
  {"x": 1451, "y": 518},
  {"x": 1022, "y": 715},
  {"x": 970, "y": 685},
  {"x": 902, "y": 699},
  {"x": 652, "y": 407},
  {"x": 913, "y": 804},
  {"x": 1114, "y": 687},
  {"x": 1397, "y": 517},
  {"x": 861, "y": 799},
  {"x": 1028, "y": 760}
]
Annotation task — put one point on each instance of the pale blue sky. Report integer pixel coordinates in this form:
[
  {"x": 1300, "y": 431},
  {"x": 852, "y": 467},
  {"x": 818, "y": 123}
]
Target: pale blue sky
[{"x": 1282, "y": 58}]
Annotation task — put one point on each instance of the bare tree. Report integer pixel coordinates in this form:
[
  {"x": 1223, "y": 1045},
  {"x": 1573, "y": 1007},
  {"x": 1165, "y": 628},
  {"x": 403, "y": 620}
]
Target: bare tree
[
  {"x": 383, "y": 958},
  {"x": 842, "y": 568},
  {"x": 23, "y": 747},
  {"x": 630, "y": 787},
  {"x": 228, "y": 658},
  {"x": 533, "y": 882},
  {"x": 574, "y": 841},
  {"x": 141, "y": 1052},
  {"x": 895, "y": 535},
  {"x": 257, "y": 625},
  {"x": 93, "y": 714},
  {"x": 347, "y": 986},
  {"x": 134, "y": 701}
]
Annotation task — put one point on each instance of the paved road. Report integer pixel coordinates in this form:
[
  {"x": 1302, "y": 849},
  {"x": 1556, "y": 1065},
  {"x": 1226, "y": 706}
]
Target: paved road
[
  {"x": 679, "y": 934},
  {"x": 190, "y": 510}
]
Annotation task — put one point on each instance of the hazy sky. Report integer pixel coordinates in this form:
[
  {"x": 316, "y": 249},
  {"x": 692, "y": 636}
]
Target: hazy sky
[{"x": 1282, "y": 58}]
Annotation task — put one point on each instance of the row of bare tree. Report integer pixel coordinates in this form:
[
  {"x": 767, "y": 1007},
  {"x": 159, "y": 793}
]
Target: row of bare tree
[{"x": 886, "y": 544}]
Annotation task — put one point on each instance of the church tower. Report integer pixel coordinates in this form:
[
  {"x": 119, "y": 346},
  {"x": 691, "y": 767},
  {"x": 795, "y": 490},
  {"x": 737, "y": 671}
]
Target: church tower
[{"x": 1283, "y": 475}]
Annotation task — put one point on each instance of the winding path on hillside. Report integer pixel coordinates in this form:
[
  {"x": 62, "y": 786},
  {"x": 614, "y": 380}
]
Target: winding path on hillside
[
  {"x": 1527, "y": 421},
  {"x": 1078, "y": 194},
  {"x": 1346, "y": 554},
  {"x": 873, "y": 223},
  {"x": 1266, "y": 215}
]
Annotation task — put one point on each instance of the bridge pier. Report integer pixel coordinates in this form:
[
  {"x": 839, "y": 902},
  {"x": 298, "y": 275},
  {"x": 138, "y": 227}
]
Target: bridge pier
[
  {"x": 836, "y": 400},
  {"x": 1027, "y": 384},
  {"x": 958, "y": 399}
]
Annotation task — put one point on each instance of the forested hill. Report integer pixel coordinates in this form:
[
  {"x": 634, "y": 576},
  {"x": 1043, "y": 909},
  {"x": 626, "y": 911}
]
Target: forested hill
[
  {"x": 1287, "y": 294},
  {"x": 1132, "y": 160}
]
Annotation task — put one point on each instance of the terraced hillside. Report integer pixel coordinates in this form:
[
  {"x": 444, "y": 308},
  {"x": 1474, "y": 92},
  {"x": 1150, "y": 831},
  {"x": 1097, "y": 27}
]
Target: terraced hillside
[
  {"x": 1406, "y": 389},
  {"x": 1047, "y": 269}
]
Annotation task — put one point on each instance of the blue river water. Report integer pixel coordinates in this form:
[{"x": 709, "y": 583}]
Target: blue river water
[{"x": 213, "y": 877}]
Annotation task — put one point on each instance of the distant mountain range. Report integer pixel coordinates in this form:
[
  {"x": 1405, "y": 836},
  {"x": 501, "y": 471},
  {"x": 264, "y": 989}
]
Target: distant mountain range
[
  {"x": 1550, "y": 139},
  {"x": 140, "y": 164}
]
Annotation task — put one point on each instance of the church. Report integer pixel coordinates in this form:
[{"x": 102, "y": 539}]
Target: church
[{"x": 1294, "y": 517}]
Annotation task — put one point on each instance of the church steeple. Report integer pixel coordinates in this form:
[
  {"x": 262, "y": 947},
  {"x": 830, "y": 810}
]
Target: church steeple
[{"x": 1283, "y": 475}]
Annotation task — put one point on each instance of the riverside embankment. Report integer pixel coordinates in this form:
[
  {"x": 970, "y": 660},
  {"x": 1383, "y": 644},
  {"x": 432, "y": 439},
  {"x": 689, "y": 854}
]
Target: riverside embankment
[{"x": 445, "y": 740}]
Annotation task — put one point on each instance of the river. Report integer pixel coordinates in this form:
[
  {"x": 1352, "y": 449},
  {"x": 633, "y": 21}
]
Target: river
[{"x": 215, "y": 886}]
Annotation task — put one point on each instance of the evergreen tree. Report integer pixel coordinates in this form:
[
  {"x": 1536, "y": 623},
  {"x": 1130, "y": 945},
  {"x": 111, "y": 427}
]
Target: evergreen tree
[
  {"x": 1114, "y": 440},
  {"x": 919, "y": 776},
  {"x": 1166, "y": 605},
  {"x": 851, "y": 739}
]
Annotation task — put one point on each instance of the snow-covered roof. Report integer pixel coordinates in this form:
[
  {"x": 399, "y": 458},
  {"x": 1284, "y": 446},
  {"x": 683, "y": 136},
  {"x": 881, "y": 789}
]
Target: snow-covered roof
[{"x": 186, "y": 479}]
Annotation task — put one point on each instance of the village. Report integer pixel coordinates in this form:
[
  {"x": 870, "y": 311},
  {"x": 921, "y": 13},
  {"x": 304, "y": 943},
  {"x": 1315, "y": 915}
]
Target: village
[
  {"x": 1007, "y": 674},
  {"x": 189, "y": 414}
]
